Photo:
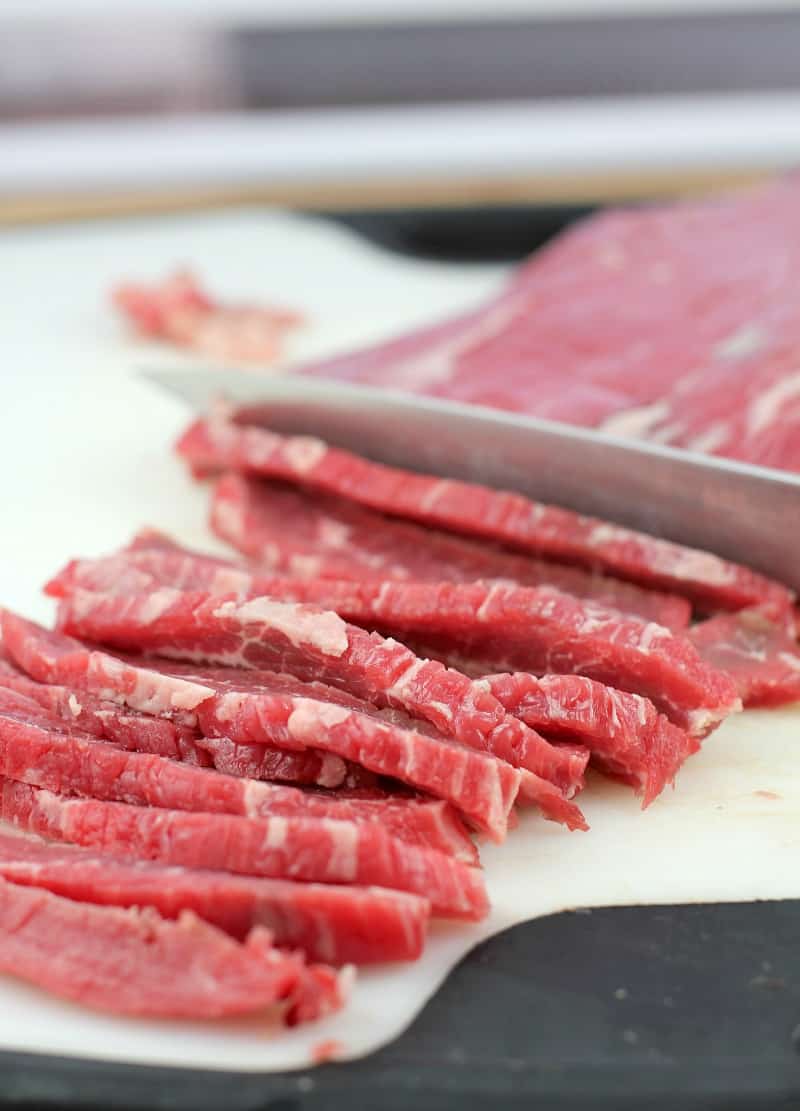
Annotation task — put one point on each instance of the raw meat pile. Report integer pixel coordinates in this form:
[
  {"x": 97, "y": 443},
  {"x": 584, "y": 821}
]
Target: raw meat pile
[
  {"x": 180, "y": 311},
  {"x": 226, "y": 782},
  {"x": 678, "y": 324}
]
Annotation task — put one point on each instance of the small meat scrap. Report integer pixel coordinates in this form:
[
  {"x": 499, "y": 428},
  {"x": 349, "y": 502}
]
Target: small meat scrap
[
  {"x": 335, "y": 924},
  {"x": 624, "y": 732},
  {"x": 313, "y": 643},
  {"x": 301, "y": 533},
  {"x": 316, "y": 850},
  {"x": 134, "y": 962},
  {"x": 181, "y": 312},
  {"x": 218, "y": 443},
  {"x": 762, "y": 658}
]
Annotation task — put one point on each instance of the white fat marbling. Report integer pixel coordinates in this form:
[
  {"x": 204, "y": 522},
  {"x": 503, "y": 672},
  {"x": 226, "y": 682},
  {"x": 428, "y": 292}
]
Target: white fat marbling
[{"x": 320, "y": 629}]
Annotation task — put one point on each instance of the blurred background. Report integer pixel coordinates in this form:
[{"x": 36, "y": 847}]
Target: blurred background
[{"x": 362, "y": 104}]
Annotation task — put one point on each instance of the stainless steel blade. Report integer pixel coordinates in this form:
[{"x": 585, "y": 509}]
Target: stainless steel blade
[{"x": 747, "y": 513}]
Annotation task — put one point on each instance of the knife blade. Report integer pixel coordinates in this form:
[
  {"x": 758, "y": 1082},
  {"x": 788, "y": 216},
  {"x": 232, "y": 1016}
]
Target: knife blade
[{"x": 746, "y": 513}]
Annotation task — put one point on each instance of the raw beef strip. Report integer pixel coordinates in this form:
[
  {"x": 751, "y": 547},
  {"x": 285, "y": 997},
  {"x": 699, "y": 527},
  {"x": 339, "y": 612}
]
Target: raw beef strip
[
  {"x": 34, "y": 750},
  {"x": 179, "y": 311},
  {"x": 624, "y": 732},
  {"x": 581, "y": 639},
  {"x": 138, "y": 570},
  {"x": 217, "y": 443},
  {"x": 102, "y": 718},
  {"x": 763, "y": 659},
  {"x": 135, "y": 962},
  {"x": 687, "y": 308},
  {"x": 257, "y": 707},
  {"x": 161, "y": 737},
  {"x": 298, "y": 533},
  {"x": 478, "y": 785},
  {"x": 482, "y": 788},
  {"x": 314, "y": 643},
  {"x": 50, "y": 657},
  {"x": 317, "y": 850},
  {"x": 393, "y": 607},
  {"x": 338, "y": 925},
  {"x": 499, "y": 626}
]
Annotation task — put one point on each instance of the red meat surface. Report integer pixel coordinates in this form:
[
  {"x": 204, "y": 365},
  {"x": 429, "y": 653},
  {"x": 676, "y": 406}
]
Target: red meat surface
[
  {"x": 269, "y": 710},
  {"x": 37, "y": 750},
  {"x": 52, "y": 658},
  {"x": 673, "y": 321},
  {"x": 179, "y": 311},
  {"x": 533, "y": 629},
  {"x": 313, "y": 643},
  {"x": 625, "y": 734},
  {"x": 307, "y": 849},
  {"x": 762, "y": 658},
  {"x": 217, "y": 443},
  {"x": 337, "y": 925},
  {"x": 301, "y": 533},
  {"x": 135, "y": 962}
]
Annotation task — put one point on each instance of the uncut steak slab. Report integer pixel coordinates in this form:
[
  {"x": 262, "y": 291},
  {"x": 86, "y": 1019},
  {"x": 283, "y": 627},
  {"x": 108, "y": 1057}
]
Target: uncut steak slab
[
  {"x": 745, "y": 407},
  {"x": 337, "y": 925},
  {"x": 314, "y": 850},
  {"x": 684, "y": 309},
  {"x": 480, "y": 786},
  {"x": 35, "y": 750},
  {"x": 135, "y": 962},
  {"x": 762, "y": 658},
  {"x": 314, "y": 643},
  {"x": 217, "y": 443},
  {"x": 299, "y": 533},
  {"x": 625, "y": 734}
]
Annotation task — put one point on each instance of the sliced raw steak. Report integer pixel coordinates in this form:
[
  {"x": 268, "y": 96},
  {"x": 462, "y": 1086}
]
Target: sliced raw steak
[
  {"x": 625, "y": 733},
  {"x": 299, "y": 533},
  {"x": 36, "y": 750},
  {"x": 762, "y": 658},
  {"x": 102, "y": 718},
  {"x": 313, "y": 849},
  {"x": 143, "y": 733},
  {"x": 480, "y": 786},
  {"x": 217, "y": 443},
  {"x": 50, "y": 657},
  {"x": 257, "y": 707},
  {"x": 135, "y": 962},
  {"x": 139, "y": 570},
  {"x": 338, "y": 925},
  {"x": 314, "y": 643},
  {"x": 496, "y": 626}
]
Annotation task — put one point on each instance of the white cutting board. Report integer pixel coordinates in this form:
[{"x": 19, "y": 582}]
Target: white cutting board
[{"x": 86, "y": 460}]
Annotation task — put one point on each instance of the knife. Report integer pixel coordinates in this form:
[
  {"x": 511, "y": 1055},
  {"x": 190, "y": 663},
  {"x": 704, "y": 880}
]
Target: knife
[{"x": 746, "y": 513}]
